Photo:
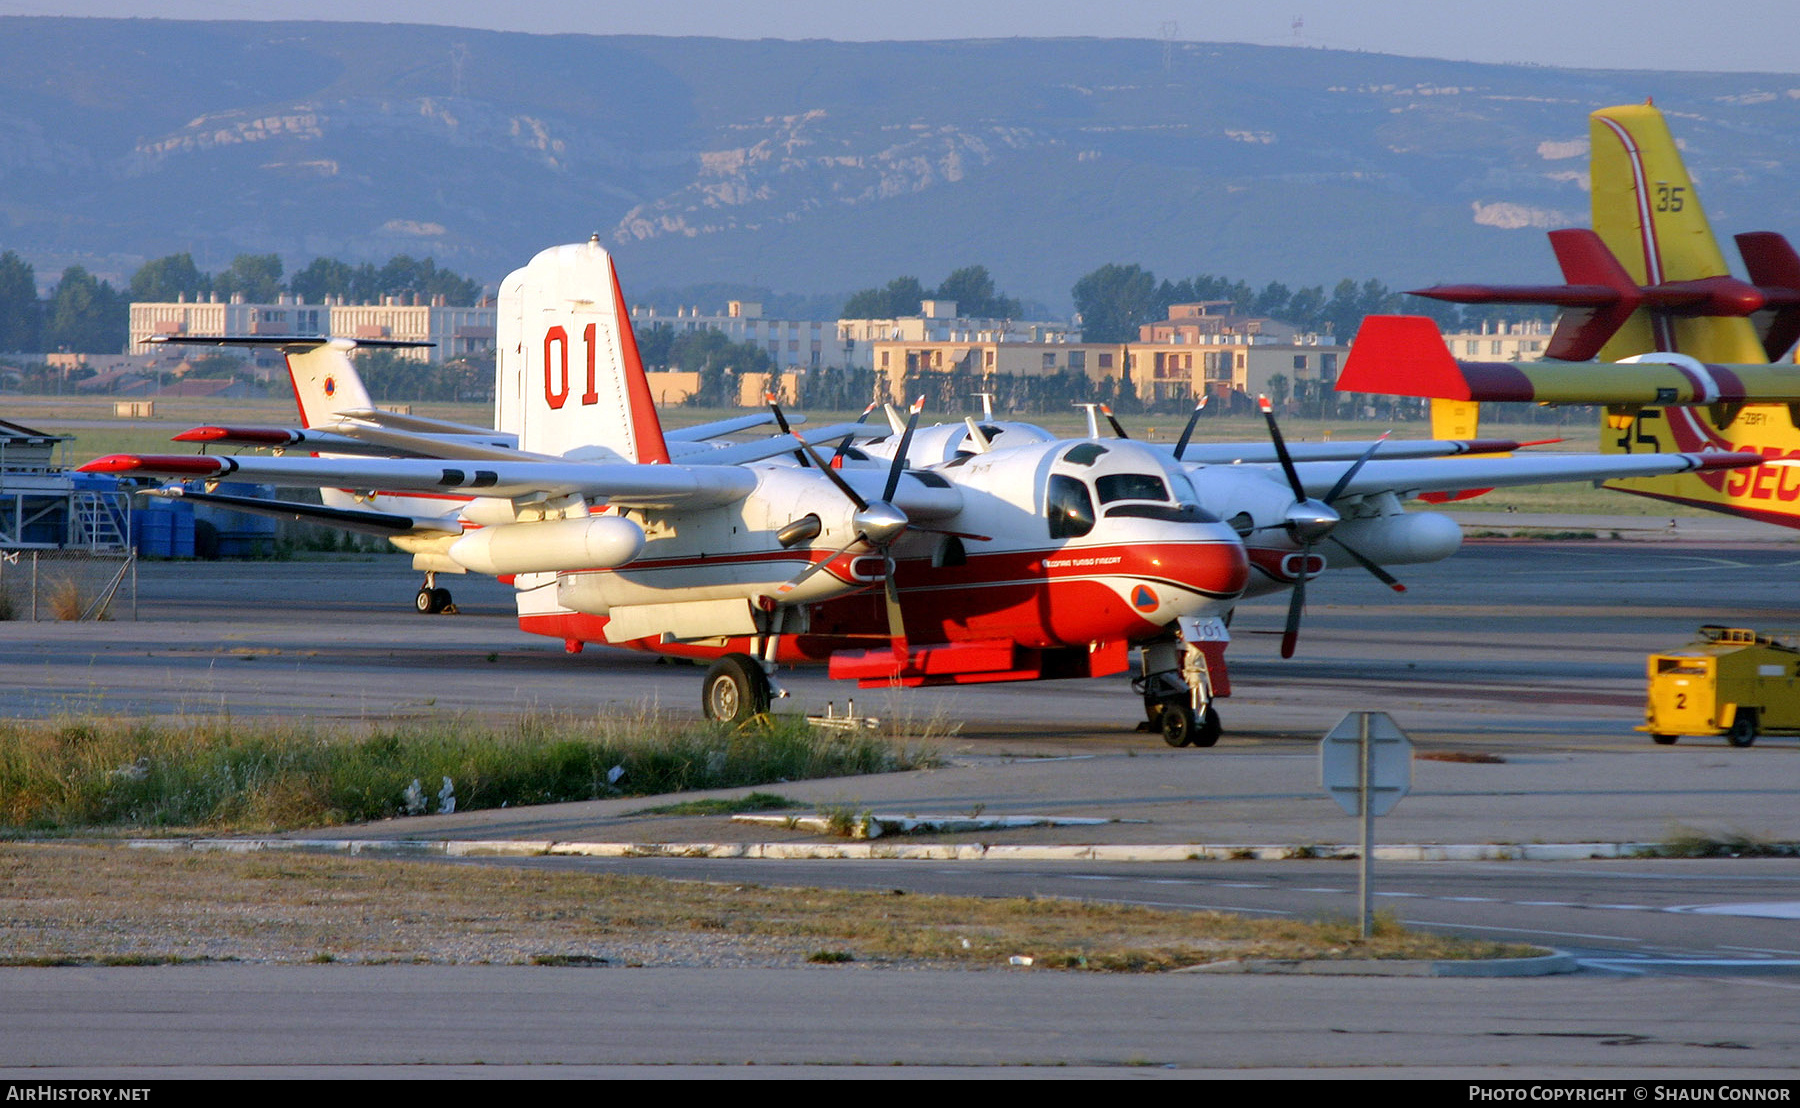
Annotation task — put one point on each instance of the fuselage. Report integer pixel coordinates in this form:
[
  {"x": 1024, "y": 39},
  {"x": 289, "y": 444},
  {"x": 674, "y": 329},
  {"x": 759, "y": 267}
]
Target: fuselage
[{"x": 1048, "y": 545}]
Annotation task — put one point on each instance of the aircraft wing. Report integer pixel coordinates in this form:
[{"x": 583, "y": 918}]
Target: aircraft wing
[
  {"x": 281, "y": 438},
  {"x": 399, "y": 422},
  {"x": 631, "y": 486},
  {"x": 703, "y": 431},
  {"x": 352, "y": 437},
  {"x": 385, "y": 524},
  {"x": 739, "y": 453},
  {"x": 1409, "y": 477},
  {"x": 1405, "y": 356},
  {"x": 1227, "y": 453},
  {"x": 393, "y": 440}
]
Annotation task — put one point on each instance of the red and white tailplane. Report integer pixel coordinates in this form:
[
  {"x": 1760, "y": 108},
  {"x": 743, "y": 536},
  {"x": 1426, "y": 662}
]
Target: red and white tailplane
[{"x": 568, "y": 377}]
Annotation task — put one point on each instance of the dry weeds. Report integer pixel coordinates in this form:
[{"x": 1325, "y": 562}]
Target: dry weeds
[{"x": 65, "y": 904}]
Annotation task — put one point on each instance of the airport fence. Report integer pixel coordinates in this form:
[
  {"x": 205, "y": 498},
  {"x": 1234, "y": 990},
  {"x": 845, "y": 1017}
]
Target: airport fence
[{"x": 68, "y": 584}]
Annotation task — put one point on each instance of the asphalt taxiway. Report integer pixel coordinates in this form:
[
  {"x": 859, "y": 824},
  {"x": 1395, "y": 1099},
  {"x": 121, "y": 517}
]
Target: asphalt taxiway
[{"x": 1531, "y": 653}]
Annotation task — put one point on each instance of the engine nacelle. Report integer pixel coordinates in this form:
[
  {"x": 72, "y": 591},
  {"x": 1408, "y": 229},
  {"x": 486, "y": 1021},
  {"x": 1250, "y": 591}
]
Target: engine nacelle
[
  {"x": 1408, "y": 538},
  {"x": 595, "y": 542}
]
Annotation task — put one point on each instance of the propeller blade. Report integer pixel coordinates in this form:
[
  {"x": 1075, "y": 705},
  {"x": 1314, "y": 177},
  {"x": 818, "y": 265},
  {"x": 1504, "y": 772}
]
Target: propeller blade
[
  {"x": 899, "y": 466},
  {"x": 958, "y": 534},
  {"x": 1290, "y": 635},
  {"x": 1188, "y": 431},
  {"x": 843, "y": 448},
  {"x": 800, "y": 578},
  {"x": 781, "y": 422},
  {"x": 1344, "y": 481},
  {"x": 1281, "y": 450},
  {"x": 836, "y": 479},
  {"x": 1381, "y": 575},
  {"x": 896, "y": 624},
  {"x": 1117, "y": 430}
]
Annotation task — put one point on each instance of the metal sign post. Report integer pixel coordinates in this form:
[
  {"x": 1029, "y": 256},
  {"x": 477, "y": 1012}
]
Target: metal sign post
[{"x": 1365, "y": 763}]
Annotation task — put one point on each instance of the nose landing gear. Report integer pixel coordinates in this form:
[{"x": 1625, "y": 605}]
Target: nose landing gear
[{"x": 1178, "y": 693}]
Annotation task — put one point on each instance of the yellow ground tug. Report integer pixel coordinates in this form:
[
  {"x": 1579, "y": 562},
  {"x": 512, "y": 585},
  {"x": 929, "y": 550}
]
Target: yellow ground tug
[{"x": 1730, "y": 681}]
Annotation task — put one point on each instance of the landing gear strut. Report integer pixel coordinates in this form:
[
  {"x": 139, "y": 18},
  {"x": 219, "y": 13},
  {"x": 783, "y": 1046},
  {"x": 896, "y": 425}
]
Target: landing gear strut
[
  {"x": 432, "y": 600},
  {"x": 1177, "y": 692}
]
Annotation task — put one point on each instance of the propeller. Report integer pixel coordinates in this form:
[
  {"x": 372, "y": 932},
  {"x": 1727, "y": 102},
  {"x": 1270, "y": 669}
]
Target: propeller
[
  {"x": 1117, "y": 429},
  {"x": 1309, "y": 522},
  {"x": 876, "y": 523}
]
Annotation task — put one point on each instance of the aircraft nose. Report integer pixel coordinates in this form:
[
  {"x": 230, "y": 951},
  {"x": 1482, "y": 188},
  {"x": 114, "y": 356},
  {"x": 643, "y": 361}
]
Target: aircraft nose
[
  {"x": 1207, "y": 558},
  {"x": 1232, "y": 564}
]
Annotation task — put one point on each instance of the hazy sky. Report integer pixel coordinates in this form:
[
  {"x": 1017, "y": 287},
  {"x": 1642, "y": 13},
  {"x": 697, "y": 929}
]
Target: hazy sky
[{"x": 1756, "y": 35}]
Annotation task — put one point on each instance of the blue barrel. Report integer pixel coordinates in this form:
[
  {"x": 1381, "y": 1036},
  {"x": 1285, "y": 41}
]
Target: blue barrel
[
  {"x": 241, "y": 534},
  {"x": 151, "y": 529}
]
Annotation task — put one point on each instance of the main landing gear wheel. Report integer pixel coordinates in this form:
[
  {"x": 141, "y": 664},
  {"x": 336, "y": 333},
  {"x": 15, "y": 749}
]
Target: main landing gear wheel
[
  {"x": 429, "y": 601},
  {"x": 1664, "y": 740},
  {"x": 736, "y": 689},
  {"x": 1743, "y": 729}
]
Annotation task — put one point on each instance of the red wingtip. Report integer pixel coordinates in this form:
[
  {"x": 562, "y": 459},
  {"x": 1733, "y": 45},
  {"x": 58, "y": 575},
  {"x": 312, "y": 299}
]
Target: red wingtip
[
  {"x": 112, "y": 463},
  {"x": 1720, "y": 460},
  {"x": 195, "y": 465},
  {"x": 201, "y": 434}
]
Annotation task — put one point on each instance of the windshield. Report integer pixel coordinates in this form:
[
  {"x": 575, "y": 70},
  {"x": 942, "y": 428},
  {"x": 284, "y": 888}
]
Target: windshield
[{"x": 1131, "y": 486}]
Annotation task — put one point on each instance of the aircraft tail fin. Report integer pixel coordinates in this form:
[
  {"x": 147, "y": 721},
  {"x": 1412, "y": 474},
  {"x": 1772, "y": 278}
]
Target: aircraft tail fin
[
  {"x": 1646, "y": 212},
  {"x": 326, "y": 381},
  {"x": 568, "y": 374},
  {"x": 1455, "y": 419},
  {"x": 1775, "y": 270},
  {"x": 1581, "y": 331}
]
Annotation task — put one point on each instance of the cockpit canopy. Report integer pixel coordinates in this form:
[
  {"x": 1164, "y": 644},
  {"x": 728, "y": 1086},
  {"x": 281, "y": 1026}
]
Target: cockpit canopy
[{"x": 1127, "y": 481}]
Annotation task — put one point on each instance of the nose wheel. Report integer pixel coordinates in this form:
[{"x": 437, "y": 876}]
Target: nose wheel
[{"x": 1182, "y": 726}]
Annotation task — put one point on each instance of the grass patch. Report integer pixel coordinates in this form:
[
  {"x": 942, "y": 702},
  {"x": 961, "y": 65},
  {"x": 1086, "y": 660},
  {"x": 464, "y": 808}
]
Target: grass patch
[
  {"x": 89, "y": 904},
  {"x": 722, "y": 806},
  {"x": 1690, "y": 842},
  {"x": 253, "y": 775},
  {"x": 1473, "y": 757}
]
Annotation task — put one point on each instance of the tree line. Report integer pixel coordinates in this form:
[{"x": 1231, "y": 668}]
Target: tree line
[
  {"x": 87, "y": 315},
  {"x": 971, "y": 287},
  {"x": 1115, "y": 300}
]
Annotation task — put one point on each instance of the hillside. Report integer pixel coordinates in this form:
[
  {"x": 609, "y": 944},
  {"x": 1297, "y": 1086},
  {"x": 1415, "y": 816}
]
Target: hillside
[{"x": 821, "y": 166}]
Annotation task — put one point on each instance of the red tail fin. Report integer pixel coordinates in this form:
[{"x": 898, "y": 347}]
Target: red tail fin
[
  {"x": 1585, "y": 260},
  {"x": 1775, "y": 271},
  {"x": 644, "y": 420}
]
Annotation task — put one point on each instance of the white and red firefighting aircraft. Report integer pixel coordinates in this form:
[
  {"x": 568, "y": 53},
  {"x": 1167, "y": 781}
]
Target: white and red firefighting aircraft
[{"x": 1001, "y": 562}]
